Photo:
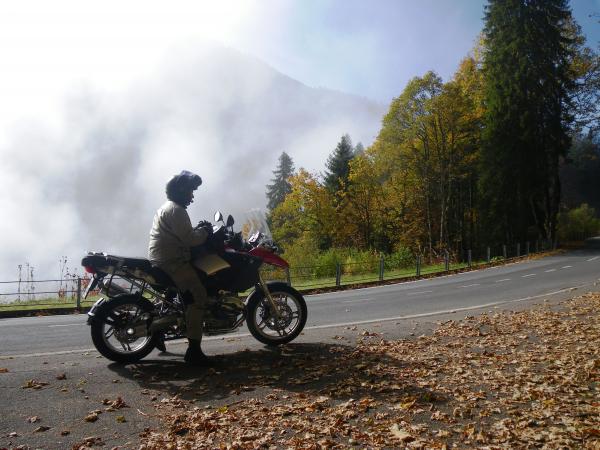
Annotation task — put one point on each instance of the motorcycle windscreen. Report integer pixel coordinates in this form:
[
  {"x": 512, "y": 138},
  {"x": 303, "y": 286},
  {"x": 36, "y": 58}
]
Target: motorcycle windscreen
[
  {"x": 210, "y": 263},
  {"x": 256, "y": 222}
]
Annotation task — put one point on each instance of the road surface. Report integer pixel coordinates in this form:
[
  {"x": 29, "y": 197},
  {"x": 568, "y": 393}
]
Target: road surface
[{"x": 515, "y": 283}]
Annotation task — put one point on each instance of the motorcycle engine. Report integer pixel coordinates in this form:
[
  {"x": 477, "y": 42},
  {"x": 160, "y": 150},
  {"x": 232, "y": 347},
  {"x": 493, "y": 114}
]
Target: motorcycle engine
[{"x": 225, "y": 313}]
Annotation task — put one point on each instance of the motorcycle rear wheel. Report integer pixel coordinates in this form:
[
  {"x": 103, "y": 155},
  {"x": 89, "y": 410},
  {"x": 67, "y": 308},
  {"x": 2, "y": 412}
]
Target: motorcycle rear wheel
[
  {"x": 111, "y": 329},
  {"x": 265, "y": 327}
]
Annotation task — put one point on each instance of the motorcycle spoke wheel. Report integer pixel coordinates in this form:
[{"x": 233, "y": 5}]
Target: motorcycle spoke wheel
[
  {"x": 117, "y": 332},
  {"x": 273, "y": 328}
]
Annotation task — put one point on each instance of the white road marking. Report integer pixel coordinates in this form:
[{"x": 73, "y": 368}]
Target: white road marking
[
  {"x": 500, "y": 281},
  {"x": 594, "y": 258},
  {"x": 471, "y": 285},
  {"x": 528, "y": 275},
  {"x": 566, "y": 267},
  {"x": 358, "y": 300},
  {"x": 335, "y": 325},
  {"x": 418, "y": 293},
  {"x": 551, "y": 270}
]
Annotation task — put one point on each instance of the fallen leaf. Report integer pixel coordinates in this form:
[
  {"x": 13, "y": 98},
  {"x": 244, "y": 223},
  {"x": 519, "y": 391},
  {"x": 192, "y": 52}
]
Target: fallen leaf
[
  {"x": 61, "y": 376},
  {"x": 34, "y": 384},
  {"x": 121, "y": 419},
  {"x": 3, "y": 370},
  {"x": 401, "y": 434},
  {"x": 41, "y": 429},
  {"x": 92, "y": 417},
  {"x": 113, "y": 405}
]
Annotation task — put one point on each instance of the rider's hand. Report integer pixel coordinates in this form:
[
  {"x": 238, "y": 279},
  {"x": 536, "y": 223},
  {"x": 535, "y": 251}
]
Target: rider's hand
[{"x": 206, "y": 225}]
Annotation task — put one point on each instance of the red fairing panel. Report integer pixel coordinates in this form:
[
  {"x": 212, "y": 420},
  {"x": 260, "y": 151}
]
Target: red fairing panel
[{"x": 269, "y": 257}]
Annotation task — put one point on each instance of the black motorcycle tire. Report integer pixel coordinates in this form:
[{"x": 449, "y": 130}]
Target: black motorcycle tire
[
  {"x": 97, "y": 329},
  {"x": 256, "y": 300}
]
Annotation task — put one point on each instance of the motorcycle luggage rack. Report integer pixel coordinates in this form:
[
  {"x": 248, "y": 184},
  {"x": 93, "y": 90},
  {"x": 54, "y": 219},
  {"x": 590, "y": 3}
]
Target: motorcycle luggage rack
[{"x": 112, "y": 288}]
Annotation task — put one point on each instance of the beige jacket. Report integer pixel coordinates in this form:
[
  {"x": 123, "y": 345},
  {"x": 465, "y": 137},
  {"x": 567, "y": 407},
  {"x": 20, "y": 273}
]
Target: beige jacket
[{"x": 172, "y": 235}]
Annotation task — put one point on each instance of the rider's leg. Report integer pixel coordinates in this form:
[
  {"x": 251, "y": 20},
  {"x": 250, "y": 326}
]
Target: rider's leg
[{"x": 189, "y": 283}]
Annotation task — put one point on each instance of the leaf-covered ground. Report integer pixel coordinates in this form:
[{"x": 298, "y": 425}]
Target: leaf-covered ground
[{"x": 527, "y": 379}]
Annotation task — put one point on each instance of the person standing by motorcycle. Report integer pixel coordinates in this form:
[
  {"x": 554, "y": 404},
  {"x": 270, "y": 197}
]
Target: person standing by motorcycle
[{"x": 171, "y": 239}]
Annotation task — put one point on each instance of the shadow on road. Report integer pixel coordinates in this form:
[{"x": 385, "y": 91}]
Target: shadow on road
[{"x": 338, "y": 371}]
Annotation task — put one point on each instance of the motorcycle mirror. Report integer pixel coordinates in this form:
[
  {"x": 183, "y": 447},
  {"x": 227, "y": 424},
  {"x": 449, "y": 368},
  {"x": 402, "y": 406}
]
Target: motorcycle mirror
[
  {"x": 218, "y": 216},
  {"x": 230, "y": 220}
]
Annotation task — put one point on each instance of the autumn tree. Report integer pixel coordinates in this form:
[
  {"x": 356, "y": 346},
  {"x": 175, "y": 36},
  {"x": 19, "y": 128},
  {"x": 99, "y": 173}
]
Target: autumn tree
[
  {"x": 361, "y": 222},
  {"x": 427, "y": 148},
  {"x": 280, "y": 186},
  {"x": 306, "y": 211}
]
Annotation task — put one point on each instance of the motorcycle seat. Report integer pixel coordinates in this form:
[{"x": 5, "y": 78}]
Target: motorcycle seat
[{"x": 103, "y": 260}]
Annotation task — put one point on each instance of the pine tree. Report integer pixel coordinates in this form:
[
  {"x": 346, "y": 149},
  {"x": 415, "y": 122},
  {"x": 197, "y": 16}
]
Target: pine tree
[
  {"x": 528, "y": 82},
  {"x": 337, "y": 165},
  {"x": 277, "y": 191},
  {"x": 359, "y": 149}
]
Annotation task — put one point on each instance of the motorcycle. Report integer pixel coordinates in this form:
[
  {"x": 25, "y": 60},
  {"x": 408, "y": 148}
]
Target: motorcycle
[{"x": 141, "y": 307}]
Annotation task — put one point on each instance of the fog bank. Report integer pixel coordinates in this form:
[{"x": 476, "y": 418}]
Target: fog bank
[{"x": 92, "y": 177}]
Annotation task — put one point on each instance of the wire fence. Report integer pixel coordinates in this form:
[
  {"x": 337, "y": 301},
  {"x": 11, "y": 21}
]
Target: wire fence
[
  {"x": 380, "y": 268},
  {"x": 32, "y": 294}
]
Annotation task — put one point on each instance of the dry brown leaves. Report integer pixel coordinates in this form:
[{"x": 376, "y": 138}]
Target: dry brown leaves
[
  {"x": 113, "y": 405},
  {"x": 509, "y": 380},
  {"x": 34, "y": 384}
]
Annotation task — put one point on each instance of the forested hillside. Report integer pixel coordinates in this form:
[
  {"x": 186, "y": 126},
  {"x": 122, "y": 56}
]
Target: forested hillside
[{"x": 497, "y": 154}]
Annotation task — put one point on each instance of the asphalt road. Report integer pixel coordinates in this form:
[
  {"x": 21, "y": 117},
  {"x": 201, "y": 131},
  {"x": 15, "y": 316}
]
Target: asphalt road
[
  {"x": 514, "y": 283},
  {"x": 57, "y": 351}
]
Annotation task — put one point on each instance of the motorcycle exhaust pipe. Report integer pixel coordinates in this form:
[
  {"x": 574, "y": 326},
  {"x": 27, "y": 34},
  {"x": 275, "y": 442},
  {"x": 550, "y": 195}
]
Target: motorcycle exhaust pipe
[{"x": 163, "y": 322}]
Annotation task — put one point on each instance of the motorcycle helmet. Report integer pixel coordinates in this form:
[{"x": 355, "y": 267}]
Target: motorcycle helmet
[{"x": 180, "y": 186}]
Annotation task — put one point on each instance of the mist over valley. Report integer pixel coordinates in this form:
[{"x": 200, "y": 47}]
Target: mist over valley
[{"x": 93, "y": 176}]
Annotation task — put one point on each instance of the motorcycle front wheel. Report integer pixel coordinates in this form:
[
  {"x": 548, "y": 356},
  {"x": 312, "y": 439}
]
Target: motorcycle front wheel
[
  {"x": 269, "y": 328},
  {"x": 116, "y": 329}
]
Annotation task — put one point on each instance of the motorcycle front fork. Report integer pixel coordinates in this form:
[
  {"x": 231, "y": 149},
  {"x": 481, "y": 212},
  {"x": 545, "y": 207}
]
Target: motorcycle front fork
[{"x": 269, "y": 297}]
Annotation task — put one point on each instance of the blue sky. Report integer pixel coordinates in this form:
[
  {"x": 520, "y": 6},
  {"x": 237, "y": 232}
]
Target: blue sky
[
  {"x": 365, "y": 47},
  {"x": 372, "y": 48}
]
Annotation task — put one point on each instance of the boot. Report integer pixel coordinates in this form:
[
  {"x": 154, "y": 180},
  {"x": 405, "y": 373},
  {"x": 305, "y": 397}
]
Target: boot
[
  {"x": 194, "y": 355},
  {"x": 160, "y": 343}
]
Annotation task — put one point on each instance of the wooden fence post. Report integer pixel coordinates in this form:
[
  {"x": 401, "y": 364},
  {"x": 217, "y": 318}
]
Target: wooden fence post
[{"x": 78, "y": 294}]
